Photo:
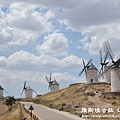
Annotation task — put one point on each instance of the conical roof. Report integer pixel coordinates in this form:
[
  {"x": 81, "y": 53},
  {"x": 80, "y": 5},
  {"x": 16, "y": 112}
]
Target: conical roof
[
  {"x": 1, "y": 88},
  {"x": 29, "y": 88},
  {"x": 92, "y": 67},
  {"x": 55, "y": 82}
]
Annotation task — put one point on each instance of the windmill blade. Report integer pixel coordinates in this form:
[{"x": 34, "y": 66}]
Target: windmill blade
[
  {"x": 84, "y": 67},
  {"x": 7, "y": 92},
  {"x": 47, "y": 79},
  {"x": 102, "y": 62},
  {"x": 83, "y": 63},
  {"x": 101, "y": 70},
  {"x": 117, "y": 63},
  {"x": 22, "y": 91},
  {"x": 48, "y": 86},
  {"x": 86, "y": 72},
  {"x": 89, "y": 62},
  {"x": 82, "y": 71},
  {"x": 50, "y": 76},
  {"x": 108, "y": 49},
  {"x": 34, "y": 91},
  {"x": 105, "y": 71},
  {"x": 100, "y": 53},
  {"x": 108, "y": 69},
  {"x": 100, "y": 74},
  {"x": 105, "y": 58},
  {"x": 24, "y": 85},
  {"x": 118, "y": 57}
]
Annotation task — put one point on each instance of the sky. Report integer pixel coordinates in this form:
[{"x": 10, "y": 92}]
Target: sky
[{"x": 50, "y": 36}]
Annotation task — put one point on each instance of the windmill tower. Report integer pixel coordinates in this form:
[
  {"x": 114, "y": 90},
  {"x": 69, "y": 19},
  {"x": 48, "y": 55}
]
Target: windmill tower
[
  {"x": 91, "y": 72},
  {"x": 1, "y": 92},
  {"x": 53, "y": 85},
  {"x": 115, "y": 68},
  {"x": 28, "y": 91}
]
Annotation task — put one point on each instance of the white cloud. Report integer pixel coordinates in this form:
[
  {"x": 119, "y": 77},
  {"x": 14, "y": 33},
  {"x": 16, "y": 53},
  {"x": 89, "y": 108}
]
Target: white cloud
[
  {"x": 65, "y": 77},
  {"x": 23, "y": 60},
  {"x": 95, "y": 36},
  {"x": 3, "y": 62},
  {"x": 13, "y": 39},
  {"x": 72, "y": 62},
  {"x": 20, "y": 28},
  {"x": 88, "y": 13},
  {"x": 28, "y": 19},
  {"x": 55, "y": 44},
  {"x": 23, "y": 65}
]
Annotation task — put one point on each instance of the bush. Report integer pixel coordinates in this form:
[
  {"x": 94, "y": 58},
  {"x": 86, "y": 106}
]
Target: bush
[
  {"x": 63, "y": 104},
  {"x": 61, "y": 109},
  {"x": 10, "y": 101}
]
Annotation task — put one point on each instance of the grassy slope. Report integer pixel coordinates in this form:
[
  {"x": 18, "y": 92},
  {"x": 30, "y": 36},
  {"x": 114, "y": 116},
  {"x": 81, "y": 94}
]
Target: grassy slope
[
  {"x": 73, "y": 98},
  {"x": 14, "y": 114}
]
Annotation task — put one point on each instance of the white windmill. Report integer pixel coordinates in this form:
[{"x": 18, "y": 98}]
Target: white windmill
[
  {"x": 53, "y": 85},
  {"x": 2, "y": 91},
  {"x": 28, "y": 91},
  {"x": 91, "y": 72},
  {"x": 115, "y": 68}
]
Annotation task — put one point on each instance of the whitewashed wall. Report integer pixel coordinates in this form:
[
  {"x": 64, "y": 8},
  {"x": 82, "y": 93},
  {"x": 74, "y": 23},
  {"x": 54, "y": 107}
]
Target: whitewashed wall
[
  {"x": 92, "y": 74},
  {"x": 107, "y": 74},
  {"x": 1, "y": 93},
  {"x": 28, "y": 93},
  {"x": 54, "y": 87},
  {"x": 115, "y": 81}
]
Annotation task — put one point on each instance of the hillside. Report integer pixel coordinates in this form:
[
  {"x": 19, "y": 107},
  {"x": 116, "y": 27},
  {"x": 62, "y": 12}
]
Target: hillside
[
  {"x": 78, "y": 97},
  {"x": 5, "y": 114},
  {"x": 15, "y": 113}
]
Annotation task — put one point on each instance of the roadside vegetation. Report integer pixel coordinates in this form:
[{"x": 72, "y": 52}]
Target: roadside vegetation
[
  {"x": 9, "y": 114},
  {"x": 10, "y": 109}
]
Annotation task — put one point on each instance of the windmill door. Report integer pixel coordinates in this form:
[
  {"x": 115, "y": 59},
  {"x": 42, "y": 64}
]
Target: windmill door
[{"x": 91, "y": 80}]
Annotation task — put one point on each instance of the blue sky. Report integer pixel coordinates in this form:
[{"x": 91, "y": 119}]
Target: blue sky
[{"x": 48, "y": 36}]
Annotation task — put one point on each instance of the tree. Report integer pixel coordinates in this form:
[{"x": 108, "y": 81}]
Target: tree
[{"x": 10, "y": 101}]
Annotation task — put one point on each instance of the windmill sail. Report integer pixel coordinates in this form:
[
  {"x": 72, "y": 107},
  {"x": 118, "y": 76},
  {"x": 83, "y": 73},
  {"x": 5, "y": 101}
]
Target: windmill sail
[{"x": 85, "y": 67}]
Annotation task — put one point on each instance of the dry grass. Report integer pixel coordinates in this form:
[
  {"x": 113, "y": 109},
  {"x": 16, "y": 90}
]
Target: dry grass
[
  {"x": 73, "y": 98},
  {"x": 112, "y": 99},
  {"x": 25, "y": 114},
  {"x": 3, "y": 108},
  {"x": 13, "y": 114}
]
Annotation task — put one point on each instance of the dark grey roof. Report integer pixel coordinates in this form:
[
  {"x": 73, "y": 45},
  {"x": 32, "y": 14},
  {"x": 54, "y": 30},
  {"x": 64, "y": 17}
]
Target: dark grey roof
[
  {"x": 55, "y": 82},
  {"x": 1, "y": 88},
  {"x": 92, "y": 67}
]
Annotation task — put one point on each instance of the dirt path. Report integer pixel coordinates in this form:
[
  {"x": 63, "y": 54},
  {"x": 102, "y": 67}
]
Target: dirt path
[{"x": 97, "y": 102}]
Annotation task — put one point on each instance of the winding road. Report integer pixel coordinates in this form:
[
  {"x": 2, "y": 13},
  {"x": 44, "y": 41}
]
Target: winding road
[{"x": 45, "y": 113}]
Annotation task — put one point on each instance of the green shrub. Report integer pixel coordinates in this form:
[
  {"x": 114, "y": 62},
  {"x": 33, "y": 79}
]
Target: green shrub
[
  {"x": 63, "y": 104},
  {"x": 61, "y": 109}
]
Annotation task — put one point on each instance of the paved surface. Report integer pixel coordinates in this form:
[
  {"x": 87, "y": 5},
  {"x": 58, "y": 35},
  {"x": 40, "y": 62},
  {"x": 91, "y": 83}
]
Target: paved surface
[{"x": 45, "y": 113}]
